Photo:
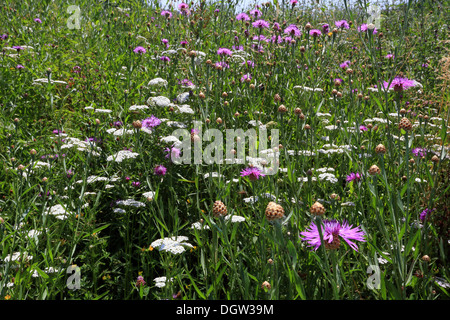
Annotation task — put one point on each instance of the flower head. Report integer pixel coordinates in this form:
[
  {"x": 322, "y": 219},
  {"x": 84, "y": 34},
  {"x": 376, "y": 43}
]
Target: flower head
[
  {"x": 315, "y": 32},
  {"x": 332, "y": 232},
  {"x": 353, "y": 176},
  {"x": 224, "y": 52},
  {"x": 261, "y": 24},
  {"x": 293, "y": 30},
  {"x": 160, "y": 170},
  {"x": 256, "y": 13},
  {"x": 344, "y": 64},
  {"x": 399, "y": 84},
  {"x": 37, "y": 20},
  {"x": 425, "y": 213},
  {"x": 151, "y": 122},
  {"x": 419, "y": 152},
  {"x": 242, "y": 16},
  {"x": 139, "y": 50},
  {"x": 172, "y": 153},
  {"x": 342, "y": 24},
  {"x": 166, "y": 14},
  {"x": 253, "y": 173}
]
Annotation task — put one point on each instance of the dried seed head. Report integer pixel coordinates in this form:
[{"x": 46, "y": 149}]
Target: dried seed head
[
  {"x": 274, "y": 211},
  {"x": 219, "y": 209},
  {"x": 317, "y": 209}
]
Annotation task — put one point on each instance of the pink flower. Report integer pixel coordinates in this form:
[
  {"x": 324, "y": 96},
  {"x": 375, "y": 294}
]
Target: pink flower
[
  {"x": 332, "y": 232},
  {"x": 252, "y": 173}
]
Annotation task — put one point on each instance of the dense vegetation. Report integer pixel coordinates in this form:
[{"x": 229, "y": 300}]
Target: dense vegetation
[{"x": 90, "y": 187}]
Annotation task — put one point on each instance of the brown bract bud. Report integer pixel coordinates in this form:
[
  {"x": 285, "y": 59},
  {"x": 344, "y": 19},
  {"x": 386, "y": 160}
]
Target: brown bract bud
[
  {"x": 219, "y": 209},
  {"x": 317, "y": 209},
  {"x": 380, "y": 149},
  {"x": 374, "y": 170},
  {"x": 137, "y": 124}
]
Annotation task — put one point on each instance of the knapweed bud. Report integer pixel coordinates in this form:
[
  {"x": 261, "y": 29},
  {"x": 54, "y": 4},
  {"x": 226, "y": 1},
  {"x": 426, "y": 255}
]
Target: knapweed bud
[
  {"x": 380, "y": 149},
  {"x": 219, "y": 209},
  {"x": 405, "y": 124},
  {"x": 137, "y": 124},
  {"x": 317, "y": 209},
  {"x": 266, "y": 285},
  {"x": 374, "y": 170}
]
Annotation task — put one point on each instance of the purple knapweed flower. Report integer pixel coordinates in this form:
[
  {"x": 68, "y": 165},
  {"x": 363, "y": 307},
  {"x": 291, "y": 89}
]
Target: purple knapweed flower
[
  {"x": 425, "y": 213},
  {"x": 256, "y": 13},
  {"x": 252, "y": 173},
  {"x": 245, "y": 77},
  {"x": 260, "y": 24},
  {"x": 353, "y": 176},
  {"x": 151, "y": 122},
  {"x": 224, "y": 52},
  {"x": 160, "y": 170},
  {"x": 242, "y": 16},
  {"x": 419, "y": 152},
  {"x": 172, "y": 153},
  {"x": 344, "y": 64},
  {"x": 293, "y": 30},
  {"x": 342, "y": 24},
  {"x": 166, "y": 14},
  {"x": 399, "y": 84},
  {"x": 315, "y": 32},
  {"x": 332, "y": 232},
  {"x": 140, "y": 50}
]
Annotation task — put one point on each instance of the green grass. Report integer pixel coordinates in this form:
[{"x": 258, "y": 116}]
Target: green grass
[{"x": 227, "y": 260}]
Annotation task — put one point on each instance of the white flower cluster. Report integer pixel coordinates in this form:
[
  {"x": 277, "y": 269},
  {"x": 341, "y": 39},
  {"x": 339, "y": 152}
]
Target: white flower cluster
[
  {"x": 119, "y": 132},
  {"x": 328, "y": 177},
  {"x": 122, "y": 155},
  {"x": 58, "y": 211},
  {"x": 35, "y": 274},
  {"x": 81, "y": 145},
  {"x": 131, "y": 202},
  {"x": 160, "y": 282},
  {"x": 157, "y": 82},
  {"x": 138, "y": 107},
  {"x": 159, "y": 101},
  {"x": 45, "y": 80},
  {"x": 175, "y": 245}
]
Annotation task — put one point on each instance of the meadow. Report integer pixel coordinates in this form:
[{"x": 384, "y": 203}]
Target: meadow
[{"x": 111, "y": 186}]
